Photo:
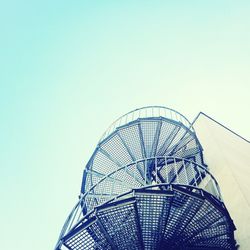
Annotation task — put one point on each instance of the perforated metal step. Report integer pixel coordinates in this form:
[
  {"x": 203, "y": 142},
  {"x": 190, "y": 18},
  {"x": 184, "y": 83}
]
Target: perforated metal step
[
  {"x": 140, "y": 139},
  {"x": 146, "y": 187},
  {"x": 152, "y": 218}
]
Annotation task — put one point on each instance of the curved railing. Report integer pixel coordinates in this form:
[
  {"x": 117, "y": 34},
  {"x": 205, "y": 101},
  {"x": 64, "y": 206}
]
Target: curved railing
[
  {"x": 164, "y": 170},
  {"x": 149, "y": 171},
  {"x": 149, "y": 111}
]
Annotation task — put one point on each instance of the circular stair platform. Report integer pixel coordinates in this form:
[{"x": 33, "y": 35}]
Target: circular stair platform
[{"x": 156, "y": 217}]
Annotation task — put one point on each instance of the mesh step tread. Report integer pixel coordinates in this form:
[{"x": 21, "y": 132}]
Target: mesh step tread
[
  {"x": 156, "y": 219},
  {"x": 142, "y": 138}
]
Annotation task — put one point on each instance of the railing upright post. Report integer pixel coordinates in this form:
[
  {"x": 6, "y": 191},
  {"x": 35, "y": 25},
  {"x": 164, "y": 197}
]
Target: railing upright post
[
  {"x": 134, "y": 165},
  {"x": 185, "y": 170},
  {"x": 145, "y": 172},
  {"x": 200, "y": 175},
  {"x": 216, "y": 189},
  {"x": 156, "y": 171},
  {"x": 176, "y": 171},
  {"x": 166, "y": 167},
  {"x": 113, "y": 184},
  {"x": 194, "y": 174}
]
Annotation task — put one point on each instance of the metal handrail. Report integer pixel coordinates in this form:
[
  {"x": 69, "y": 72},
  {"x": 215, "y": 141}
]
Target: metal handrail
[
  {"x": 155, "y": 158},
  {"x": 144, "y": 112}
]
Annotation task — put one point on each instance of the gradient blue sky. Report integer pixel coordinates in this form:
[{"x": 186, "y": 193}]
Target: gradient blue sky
[{"x": 69, "y": 68}]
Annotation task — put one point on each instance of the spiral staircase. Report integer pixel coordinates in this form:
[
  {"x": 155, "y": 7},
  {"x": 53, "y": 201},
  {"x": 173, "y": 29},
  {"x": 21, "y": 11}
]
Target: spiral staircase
[{"x": 146, "y": 186}]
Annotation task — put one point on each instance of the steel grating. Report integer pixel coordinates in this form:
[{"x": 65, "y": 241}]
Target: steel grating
[
  {"x": 118, "y": 220},
  {"x": 139, "y": 139},
  {"x": 168, "y": 170},
  {"x": 90, "y": 236},
  {"x": 174, "y": 218},
  {"x": 146, "y": 186}
]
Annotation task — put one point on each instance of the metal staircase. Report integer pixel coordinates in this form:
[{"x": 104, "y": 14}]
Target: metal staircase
[{"x": 146, "y": 187}]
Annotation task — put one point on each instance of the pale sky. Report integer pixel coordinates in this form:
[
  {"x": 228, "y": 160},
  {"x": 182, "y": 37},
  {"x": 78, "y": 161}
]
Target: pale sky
[{"x": 69, "y": 68}]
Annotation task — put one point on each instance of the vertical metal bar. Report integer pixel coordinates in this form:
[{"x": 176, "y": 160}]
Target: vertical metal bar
[
  {"x": 166, "y": 164},
  {"x": 134, "y": 165},
  {"x": 113, "y": 184},
  {"x": 180, "y": 118},
  {"x": 198, "y": 169},
  {"x": 126, "y": 172},
  {"x": 176, "y": 117},
  {"x": 176, "y": 172},
  {"x": 148, "y": 173},
  {"x": 194, "y": 174},
  {"x": 185, "y": 170},
  {"x": 101, "y": 194},
  {"x": 216, "y": 190},
  {"x": 104, "y": 232},
  {"x": 156, "y": 171}
]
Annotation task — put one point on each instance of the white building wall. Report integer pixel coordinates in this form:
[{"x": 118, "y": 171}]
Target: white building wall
[{"x": 228, "y": 158}]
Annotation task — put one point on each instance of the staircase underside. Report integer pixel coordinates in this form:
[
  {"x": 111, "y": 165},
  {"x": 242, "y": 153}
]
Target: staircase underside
[
  {"x": 141, "y": 139},
  {"x": 156, "y": 217}
]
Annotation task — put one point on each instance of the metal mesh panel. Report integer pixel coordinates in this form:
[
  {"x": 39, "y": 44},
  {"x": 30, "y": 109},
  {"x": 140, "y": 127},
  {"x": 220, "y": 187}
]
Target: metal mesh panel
[
  {"x": 119, "y": 220},
  {"x": 117, "y": 150},
  {"x": 131, "y": 136},
  {"x": 90, "y": 237},
  {"x": 152, "y": 209},
  {"x": 161, "y": 216},
  {"x": 154, "y": 219},
  {"x": 131, "y": 175},
  {"x": 213, "y": 234},
  {"x": 117, "y": 183},
  {"x": 100, "y": 194},
  {"x": 179, "y": 204},
  {"x": 148, "y": 136},
  {"x": 204, "y": 218},
  {"x": 183, "y": 208},
  {"x": 188, "y": 147},
  {"x": 94, "y": 200},
  {"x": 182, "y": 174},
  {"x": 81, "y": 241},
  {"x": 219, "y": 242},
  {"x": 181, "y": 132},
  {"x": 91, "y": 180},
  {"x": 102, "y": 164},
  {"x": 167, "y": 133},
  {"x": 149, "y": 132},
  {"x": 176, "y": 172},
  {"x": 182, "y": 143}
]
